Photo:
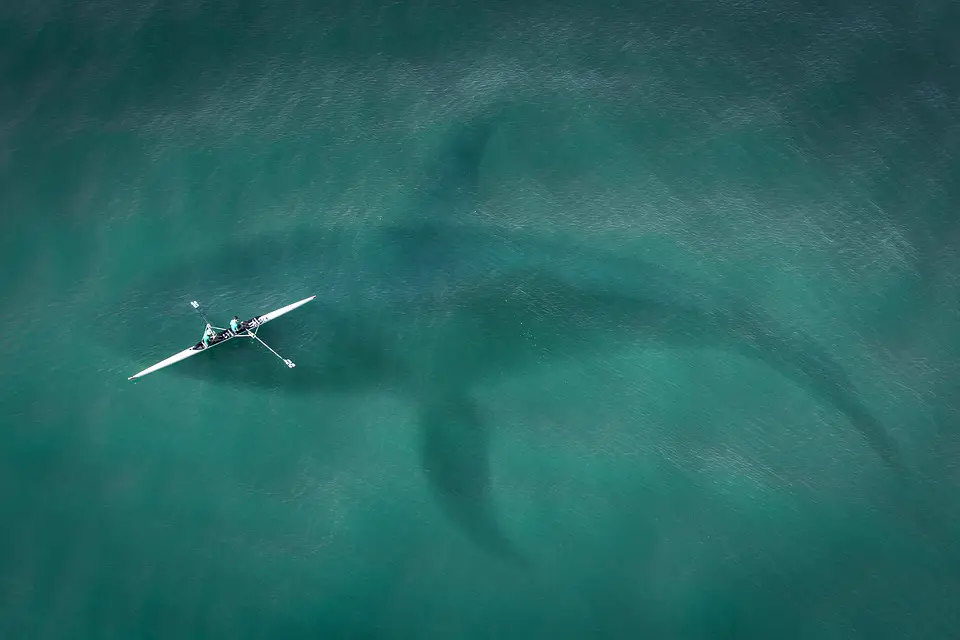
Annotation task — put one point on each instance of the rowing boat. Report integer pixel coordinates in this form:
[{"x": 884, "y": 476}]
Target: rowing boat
[{"x": 247, "y": 329}]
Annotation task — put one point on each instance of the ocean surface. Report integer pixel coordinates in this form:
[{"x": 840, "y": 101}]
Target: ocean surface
[{"x": 633, "y": 320}]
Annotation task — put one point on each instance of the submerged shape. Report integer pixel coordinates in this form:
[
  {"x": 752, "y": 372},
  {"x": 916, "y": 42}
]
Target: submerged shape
[
  {"x": 456, "y": 461},
  {"x": 431, "y": 307}
]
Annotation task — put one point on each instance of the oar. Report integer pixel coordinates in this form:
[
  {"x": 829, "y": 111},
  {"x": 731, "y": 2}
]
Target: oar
[
  {"x": 196, "y": 305},
  {"x": 286, "y": 361}
]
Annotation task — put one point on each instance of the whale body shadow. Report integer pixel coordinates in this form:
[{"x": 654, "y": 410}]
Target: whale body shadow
[{"x": 429, "y": 307}]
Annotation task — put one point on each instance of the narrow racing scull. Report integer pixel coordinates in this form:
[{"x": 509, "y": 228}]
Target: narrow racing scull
[{"x": 247, "y": 329}]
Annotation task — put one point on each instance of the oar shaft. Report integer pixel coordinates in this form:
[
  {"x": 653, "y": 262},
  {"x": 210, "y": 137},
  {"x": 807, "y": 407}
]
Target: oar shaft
[
  {"x": 196, "y": 306},
  {"x": 286, "y": 361}
]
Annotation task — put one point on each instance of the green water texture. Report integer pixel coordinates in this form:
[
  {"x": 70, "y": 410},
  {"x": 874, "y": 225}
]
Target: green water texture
[{"x": 633, "y": 320}]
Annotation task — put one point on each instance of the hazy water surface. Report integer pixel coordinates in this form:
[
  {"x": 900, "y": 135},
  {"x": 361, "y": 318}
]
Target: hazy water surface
[{"x": 631, "y": 321}]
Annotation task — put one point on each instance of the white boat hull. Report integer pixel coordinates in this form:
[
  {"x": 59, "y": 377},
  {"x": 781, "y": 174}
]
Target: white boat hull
[
  {"x": 251, "y": 327},
  {"x": 273, "y": 315},
  {"x": 183, "y": 355}
]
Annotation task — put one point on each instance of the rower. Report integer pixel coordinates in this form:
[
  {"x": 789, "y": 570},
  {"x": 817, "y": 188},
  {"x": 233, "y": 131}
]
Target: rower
[
  {"x": 208, "y": 335},
  {"x": 235, "y": 324}
]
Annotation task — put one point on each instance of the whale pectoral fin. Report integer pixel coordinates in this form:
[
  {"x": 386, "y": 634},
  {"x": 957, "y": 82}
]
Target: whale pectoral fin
[{"x": 455, "y": 458}]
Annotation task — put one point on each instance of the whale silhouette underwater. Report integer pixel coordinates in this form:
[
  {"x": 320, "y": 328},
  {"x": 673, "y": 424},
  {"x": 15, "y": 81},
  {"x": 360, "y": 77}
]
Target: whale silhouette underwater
[{"x": 392, "y": 300}]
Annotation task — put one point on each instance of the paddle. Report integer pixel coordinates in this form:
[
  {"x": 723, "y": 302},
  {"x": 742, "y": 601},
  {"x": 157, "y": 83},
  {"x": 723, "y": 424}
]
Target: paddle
[
  {"x": 196, "y": 305},
  {"x": 286, "y": 361}
]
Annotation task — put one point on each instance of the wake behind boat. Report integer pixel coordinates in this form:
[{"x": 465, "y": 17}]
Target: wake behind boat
[{"x": 246, "y": 329}]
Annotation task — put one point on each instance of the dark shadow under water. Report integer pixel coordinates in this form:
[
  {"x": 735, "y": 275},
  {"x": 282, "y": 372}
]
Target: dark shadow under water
[{"x": 430, "y": 307}]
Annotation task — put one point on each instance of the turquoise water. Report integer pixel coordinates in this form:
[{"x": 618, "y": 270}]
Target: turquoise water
[{"x": 630, "y": 321}]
